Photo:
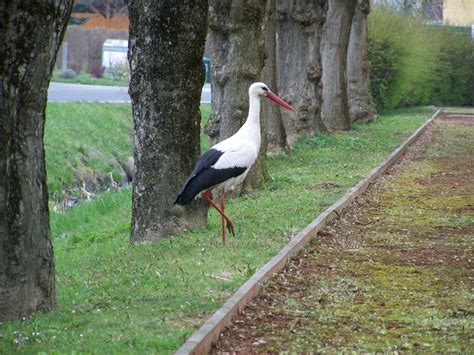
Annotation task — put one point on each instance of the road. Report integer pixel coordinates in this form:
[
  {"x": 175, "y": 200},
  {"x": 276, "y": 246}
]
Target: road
[{"x": 61, "y": 92}]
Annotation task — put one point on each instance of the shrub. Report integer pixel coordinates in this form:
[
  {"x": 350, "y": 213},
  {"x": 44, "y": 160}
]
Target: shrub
[
  {"x": 409, "y": 50},
  {"x": 97, "y": 70},
  {"x": 382, "y": 59},
  {"x": 76, "y": 67},
  {"x": 417, "y": 64},
  {"x": 454, "y": 78}
]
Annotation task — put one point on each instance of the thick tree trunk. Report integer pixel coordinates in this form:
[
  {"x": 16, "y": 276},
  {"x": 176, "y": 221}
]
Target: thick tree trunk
[
  {"x": 335, "y": 108},
  {"x": 361, "y": 104},
  {"x": 275, "y": 133},
  {"x": 237, "y": 33},
  {"x": 299, "y": 32},
  {"x": 31, "y": 33},
  {"x": 167, "y": 73}
]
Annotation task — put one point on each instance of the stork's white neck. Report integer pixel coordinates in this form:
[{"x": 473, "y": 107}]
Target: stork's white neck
[
  {"x": 250, "y": 131},
  {"x": 247, "y": 139},
  {"x": 252, "y": 125},
  {"x": 254, "y": 109}
]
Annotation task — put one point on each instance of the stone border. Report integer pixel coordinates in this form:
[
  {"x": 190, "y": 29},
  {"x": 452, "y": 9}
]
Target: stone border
[{"x": 201, "y": 341}]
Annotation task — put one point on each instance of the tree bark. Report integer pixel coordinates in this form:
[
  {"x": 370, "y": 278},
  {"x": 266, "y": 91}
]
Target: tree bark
[
  {"x": 334, "y": 46},
  {"x": 236, "y": 33},
  {"x": 361, "y": 104},
  {"x": 31, "y": 33},
  {"x": 167, "y": 73},
  {"x": 299, "y": 32},
  {"x": 275, "y": 133}
]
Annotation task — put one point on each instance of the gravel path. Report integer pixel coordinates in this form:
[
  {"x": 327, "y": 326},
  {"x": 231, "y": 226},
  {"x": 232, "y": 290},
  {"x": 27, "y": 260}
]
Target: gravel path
[{"x": 394, "y": 273}]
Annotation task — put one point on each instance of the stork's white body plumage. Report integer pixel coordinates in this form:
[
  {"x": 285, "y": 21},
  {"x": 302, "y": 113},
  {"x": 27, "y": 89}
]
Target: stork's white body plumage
[
  {"x": 242, "y": 148},
  {"x": 226, "y": 164}
]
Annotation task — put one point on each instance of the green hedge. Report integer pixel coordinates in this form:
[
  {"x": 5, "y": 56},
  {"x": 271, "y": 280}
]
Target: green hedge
[
  {"x": 417, "y": 64},
  {"x": 454, "y": 79}
]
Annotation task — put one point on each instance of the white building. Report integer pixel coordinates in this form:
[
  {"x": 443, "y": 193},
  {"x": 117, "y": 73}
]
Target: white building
[{"x": 114, "y": 53}]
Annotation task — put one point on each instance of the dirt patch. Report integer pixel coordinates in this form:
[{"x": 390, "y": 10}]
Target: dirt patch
[
  {"x": 429, "y": 257},
  {"x": 460, "y": 119},
  {"x": 394, "y": 273},
  {"x": 451, "y": 178}
]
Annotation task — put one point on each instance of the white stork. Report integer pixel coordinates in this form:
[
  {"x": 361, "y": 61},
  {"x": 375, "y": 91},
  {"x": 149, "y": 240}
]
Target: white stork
[{"x": 226, "y": 164}]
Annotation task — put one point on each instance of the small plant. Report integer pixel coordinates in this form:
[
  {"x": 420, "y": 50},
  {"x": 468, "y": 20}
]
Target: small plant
[
  {"x": 76, "y": 67},
  {"x": 68, "y": 74},
  {"x": 97, "y": 71},
  {"x": 119, "y": 71}
]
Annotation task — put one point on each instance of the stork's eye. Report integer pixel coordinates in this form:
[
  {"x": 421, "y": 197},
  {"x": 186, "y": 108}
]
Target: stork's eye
[{"x": 264, "y": 89}]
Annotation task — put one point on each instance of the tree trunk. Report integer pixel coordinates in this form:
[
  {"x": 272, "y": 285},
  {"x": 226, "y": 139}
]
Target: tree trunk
[
  {"x": 361, "y": 104},
  {"x": 167, "y": 73},
  {"x": 31, "y": 33},
  {"x": 299, "y": 32},
  {"x": 275, "y": 133},
  {"x": 237, "y": 32},
  {"x": 335, "y": 108}
]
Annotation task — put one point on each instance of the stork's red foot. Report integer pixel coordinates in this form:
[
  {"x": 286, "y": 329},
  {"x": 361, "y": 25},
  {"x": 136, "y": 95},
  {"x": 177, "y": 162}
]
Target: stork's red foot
[{"x": 230, "y": 227}]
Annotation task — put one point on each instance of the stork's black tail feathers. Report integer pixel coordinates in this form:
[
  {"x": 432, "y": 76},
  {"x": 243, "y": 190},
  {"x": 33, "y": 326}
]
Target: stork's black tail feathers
[
  {"x": 194, "y": 184},
  {"x": 186, "y": 195}
]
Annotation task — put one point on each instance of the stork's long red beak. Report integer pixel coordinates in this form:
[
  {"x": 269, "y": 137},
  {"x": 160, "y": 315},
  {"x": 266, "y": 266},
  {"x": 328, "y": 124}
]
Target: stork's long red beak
[{"x": 279, "y": 101}]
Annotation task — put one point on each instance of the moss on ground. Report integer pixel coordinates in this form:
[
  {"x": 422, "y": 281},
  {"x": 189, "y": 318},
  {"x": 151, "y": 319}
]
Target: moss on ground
[{"x": 395, "y": 273}]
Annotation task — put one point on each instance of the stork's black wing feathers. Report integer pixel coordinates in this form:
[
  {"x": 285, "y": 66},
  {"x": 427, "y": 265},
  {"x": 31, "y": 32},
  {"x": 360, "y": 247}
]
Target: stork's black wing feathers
[
  {"x": 204, "y": 177},
  {"x": 205, "y": 161}
]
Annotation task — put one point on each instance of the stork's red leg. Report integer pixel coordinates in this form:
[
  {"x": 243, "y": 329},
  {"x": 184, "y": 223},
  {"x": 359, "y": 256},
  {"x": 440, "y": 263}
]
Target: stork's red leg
[
  {"x": 230, "y": 226},
  {"x": 222, "y": 218},
  {"x": 207, "y": 197}
]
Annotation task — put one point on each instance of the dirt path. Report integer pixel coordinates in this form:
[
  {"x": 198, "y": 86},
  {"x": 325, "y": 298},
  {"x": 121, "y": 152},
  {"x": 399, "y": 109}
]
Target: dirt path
[{"x": 395, "y": 273}]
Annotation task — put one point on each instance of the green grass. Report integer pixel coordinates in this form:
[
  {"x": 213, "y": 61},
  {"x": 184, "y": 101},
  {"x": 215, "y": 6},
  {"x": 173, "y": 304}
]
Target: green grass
[
  {"x": 87, "y": 79},
  {"x": 83, "y": 141},
  {"x": 113, "y": 298}
]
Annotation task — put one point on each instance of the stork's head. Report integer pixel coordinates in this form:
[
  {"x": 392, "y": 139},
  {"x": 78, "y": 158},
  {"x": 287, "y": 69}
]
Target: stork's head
[{"x": 261, "y": 89}]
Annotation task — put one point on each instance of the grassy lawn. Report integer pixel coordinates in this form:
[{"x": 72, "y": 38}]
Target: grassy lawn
[
  {"x": 87, "y": 79},
  {"x": 80, "y": 146},
  {"x": 150, "y": 298},
  {"x": 85, "y": 142}
]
